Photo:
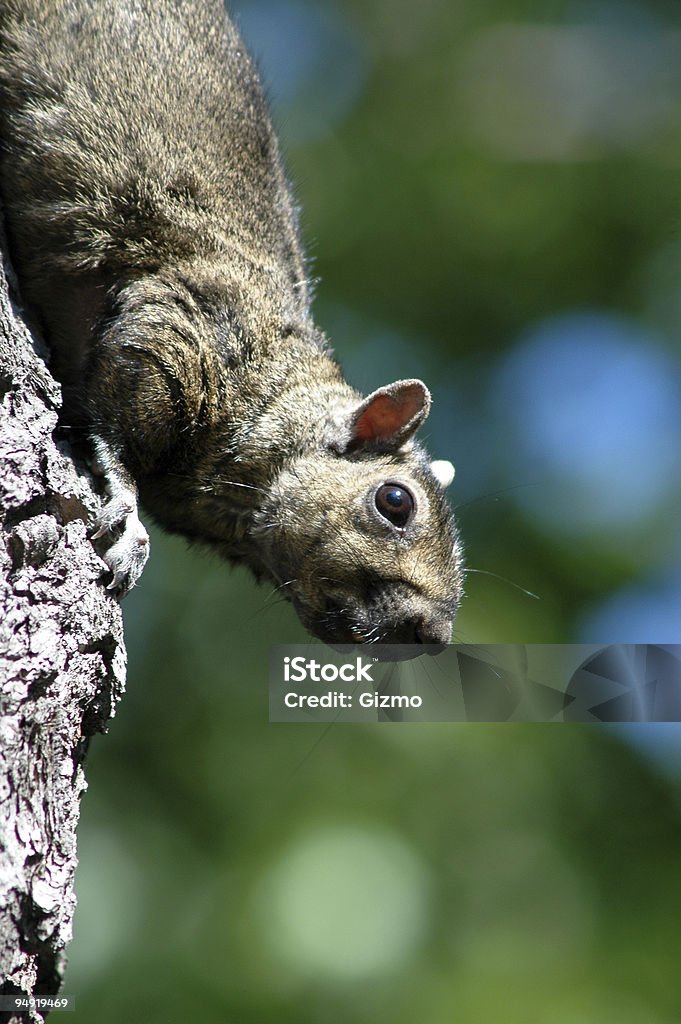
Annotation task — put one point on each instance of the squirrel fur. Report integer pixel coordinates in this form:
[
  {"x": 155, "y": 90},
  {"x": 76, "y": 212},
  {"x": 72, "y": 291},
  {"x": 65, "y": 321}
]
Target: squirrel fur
[{"x": 156, "y": 243}]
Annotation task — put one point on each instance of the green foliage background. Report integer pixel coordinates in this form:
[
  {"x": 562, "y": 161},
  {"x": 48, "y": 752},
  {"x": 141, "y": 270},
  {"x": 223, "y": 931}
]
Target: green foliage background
[{"x": 233, "y": 870}]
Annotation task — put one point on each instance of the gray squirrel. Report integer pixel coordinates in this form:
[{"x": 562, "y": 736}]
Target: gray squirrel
[{"x": 156, "y": 242}]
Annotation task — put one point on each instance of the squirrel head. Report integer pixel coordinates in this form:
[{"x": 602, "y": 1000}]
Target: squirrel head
[{"x": 357, "y": 531}]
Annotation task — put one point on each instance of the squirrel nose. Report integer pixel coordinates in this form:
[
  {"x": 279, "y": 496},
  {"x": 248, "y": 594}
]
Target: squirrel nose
[{"x": 433, "y": 631}]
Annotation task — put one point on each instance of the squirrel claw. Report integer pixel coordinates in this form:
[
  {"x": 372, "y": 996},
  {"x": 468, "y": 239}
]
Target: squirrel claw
[
  {"x": 128, "y": 555},
  {"x": 115, "y": 513},
  {"x": 118, "y": 521}
]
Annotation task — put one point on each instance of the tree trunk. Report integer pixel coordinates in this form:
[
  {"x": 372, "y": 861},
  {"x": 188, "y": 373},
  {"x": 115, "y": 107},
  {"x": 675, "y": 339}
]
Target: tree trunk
[{"x": 62, "y": 664}]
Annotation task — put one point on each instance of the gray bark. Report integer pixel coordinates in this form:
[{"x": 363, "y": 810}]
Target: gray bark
[{"x": 62, "y": 664}]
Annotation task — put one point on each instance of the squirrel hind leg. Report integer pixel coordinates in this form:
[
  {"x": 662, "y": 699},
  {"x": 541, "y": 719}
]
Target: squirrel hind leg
[{"x": 125, "y": 541}]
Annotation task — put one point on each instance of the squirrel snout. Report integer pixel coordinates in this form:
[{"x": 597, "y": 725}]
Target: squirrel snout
[{"x": 432, "y": 631}]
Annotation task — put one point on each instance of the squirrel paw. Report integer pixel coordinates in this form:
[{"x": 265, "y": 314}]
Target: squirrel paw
[
  {"x": 128, "y": 554},
  {"x": 118, "y": 521}
]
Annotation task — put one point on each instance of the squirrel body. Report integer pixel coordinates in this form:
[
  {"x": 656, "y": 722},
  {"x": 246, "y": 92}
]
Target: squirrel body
[{"x": 157, "y": 244}]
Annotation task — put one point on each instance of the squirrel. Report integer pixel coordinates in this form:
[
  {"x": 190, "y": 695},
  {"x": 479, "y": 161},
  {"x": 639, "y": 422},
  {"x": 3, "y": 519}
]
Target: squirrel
[{"x": 156, "y": 242}]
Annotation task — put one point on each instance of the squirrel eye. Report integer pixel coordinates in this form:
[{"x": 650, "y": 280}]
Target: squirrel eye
[{"x": 395, "y": 503}]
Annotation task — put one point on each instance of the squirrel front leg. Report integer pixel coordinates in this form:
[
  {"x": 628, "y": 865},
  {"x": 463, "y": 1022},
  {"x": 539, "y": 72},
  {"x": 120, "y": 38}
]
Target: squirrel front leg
[{"x": 145, "y": 382}]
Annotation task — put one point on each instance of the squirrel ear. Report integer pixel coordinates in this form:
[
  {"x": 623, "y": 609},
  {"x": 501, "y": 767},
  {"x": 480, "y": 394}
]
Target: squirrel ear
[
  {"x": 443, "y": 472},
  {"x": 390, "y": 415}
]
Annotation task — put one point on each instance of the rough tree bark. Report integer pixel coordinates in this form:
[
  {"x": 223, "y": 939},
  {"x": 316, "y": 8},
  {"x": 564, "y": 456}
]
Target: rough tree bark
[{"x": 62, "y": 663}]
